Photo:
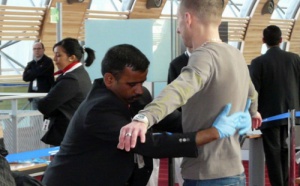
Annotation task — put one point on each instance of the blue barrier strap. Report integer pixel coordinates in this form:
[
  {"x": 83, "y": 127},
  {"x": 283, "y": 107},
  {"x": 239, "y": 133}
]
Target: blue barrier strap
[
  {"x": 29, "y": 155},
  {"x": 280, "y": 116}
]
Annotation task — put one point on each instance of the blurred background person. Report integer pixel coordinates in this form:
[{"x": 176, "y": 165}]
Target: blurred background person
[
  {"x": 177, "y": 64},
  {"x": 69, "y": 90},
  {"x": 39, "y": 73}
]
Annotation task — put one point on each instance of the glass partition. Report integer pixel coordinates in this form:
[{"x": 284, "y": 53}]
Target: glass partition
[{"x": 152, "y": 37}]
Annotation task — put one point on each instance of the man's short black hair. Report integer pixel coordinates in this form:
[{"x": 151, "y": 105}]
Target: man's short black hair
[
  {"x": 272, "y": 35},
  {"x": 121, "y": 56}
]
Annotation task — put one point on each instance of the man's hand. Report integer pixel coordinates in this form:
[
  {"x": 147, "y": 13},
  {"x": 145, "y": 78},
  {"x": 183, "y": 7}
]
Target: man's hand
[
  {"x": 227, "y": 125},
  {"x": 256, "y": 121},
  {"x": 129, "y": 134}
]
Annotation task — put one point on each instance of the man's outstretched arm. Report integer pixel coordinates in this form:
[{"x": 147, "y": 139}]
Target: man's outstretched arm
[{"x": 223, "y": 126}]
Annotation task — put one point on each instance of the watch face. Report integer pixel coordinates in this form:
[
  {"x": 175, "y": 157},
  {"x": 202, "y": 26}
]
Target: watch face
[
  {"x": 140, "y": 116},
  {"x": 157, "y": 2}
]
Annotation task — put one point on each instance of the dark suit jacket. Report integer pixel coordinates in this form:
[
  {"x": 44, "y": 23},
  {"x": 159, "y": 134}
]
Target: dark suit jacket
[
  {"x": 42, "y": 71},
  {"x": 175, "y": 68},
  {"x": 176, "y": 65},
  {"x": 88, "y": 153},
  {"x": 62, "y": 101},
  {"x": 276, "y": 77}
]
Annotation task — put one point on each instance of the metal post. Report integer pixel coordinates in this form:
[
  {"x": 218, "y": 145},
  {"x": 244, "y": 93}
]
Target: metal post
[
  {"x": 14, "y": 125},
  {"x": 292, "y": 148},
  {"x": 59, "y": 22},
  {"x": 256, "y": 162},
  {"x": 171, "y": 160},
  {"x": 171, "y": 171}
]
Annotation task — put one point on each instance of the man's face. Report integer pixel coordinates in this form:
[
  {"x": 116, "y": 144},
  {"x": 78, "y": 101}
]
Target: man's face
[
  {"x": 182, "y": 23},
  {"x": 129, "y": 86},
  {"x": 38, "y": 50}
]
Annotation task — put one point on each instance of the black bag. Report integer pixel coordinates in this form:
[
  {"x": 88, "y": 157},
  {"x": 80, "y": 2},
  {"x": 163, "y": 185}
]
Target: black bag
[
  {"x": 6, "y": 178},
  {"x": 22, "y": 179},
  {"x": 10, "y": 178}
]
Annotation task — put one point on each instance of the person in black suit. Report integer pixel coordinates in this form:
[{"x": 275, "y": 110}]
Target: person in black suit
[
  {"x": 276, "y": 77},
  {"x": 177, "y": 64},
  {"x": 39, "y": 73},
  {"x": 70, "y": 89},
  {"x": 89, "y": 155}
]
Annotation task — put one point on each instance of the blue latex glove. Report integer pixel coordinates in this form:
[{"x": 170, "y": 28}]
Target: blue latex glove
[
  {"x": 227, "y": 125},
  {"x": 245, "y": 126}
]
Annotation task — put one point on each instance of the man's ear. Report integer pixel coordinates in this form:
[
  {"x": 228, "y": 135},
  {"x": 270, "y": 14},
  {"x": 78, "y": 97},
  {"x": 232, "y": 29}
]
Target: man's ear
[
  {"x": 108, "y": 79},
  {"x": 188, "y": 18},
  {"x": 263, "y": 40}
]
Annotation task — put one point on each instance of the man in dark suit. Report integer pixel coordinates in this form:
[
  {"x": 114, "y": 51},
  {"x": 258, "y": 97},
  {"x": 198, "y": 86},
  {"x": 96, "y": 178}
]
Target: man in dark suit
[
  {"x": 276, "y": 77},
  {"x": 88, "y": 154},
  {"x": 177, "y": 64},
  {"x": 39, "y": 73}
]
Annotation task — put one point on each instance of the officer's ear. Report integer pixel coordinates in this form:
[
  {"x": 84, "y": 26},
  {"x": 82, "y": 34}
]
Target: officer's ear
[
  {"x": 109, "y": 79},
  {"x": 72, "y": 58}
]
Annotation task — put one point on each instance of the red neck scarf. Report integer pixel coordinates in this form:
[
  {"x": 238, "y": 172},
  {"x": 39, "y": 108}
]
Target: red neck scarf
[{"x": 66, "y": 68}]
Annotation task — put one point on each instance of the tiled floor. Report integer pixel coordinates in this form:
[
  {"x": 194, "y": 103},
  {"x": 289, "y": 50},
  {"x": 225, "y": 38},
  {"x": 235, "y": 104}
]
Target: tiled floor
[{"x": 163, "y": 173}]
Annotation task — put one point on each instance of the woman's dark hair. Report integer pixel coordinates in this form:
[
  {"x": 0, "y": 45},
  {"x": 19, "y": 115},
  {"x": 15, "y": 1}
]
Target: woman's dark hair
[
  {"x": 72, "y": 47},
  {"x": 121, "y": 56}
]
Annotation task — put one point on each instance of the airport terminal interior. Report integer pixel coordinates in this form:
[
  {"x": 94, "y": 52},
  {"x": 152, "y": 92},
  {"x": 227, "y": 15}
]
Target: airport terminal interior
[{"x": 150, "y": 25}]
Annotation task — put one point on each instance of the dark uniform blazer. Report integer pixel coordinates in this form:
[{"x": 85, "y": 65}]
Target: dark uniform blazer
[
  {"x": 41, "y": 70},
  {"x": 62, "y": 101},
  {"x": 88, "y": 153},
  {"x": 276, "y": 77}
]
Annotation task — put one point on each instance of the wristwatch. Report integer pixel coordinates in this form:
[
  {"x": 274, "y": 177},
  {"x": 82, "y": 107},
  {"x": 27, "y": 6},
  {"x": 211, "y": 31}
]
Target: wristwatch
[{"x": 141, "y": 118}]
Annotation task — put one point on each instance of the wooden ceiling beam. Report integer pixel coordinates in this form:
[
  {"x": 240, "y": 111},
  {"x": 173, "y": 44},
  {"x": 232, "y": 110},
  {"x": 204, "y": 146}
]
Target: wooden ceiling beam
[
  {"x": 294, "y": 45},
  {"x": 21, "y": 13},
  {"x": 73, "y": 16},
  {"x": 22, "y": 8}
]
